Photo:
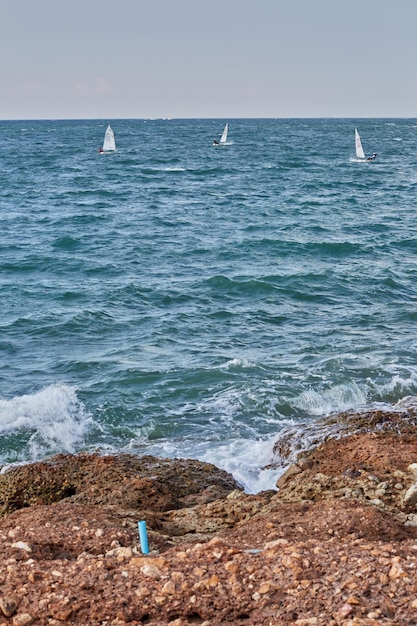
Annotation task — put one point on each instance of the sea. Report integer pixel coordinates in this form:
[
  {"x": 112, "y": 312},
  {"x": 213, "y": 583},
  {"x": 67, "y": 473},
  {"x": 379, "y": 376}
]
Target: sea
[{"x": 186, "y": 300}]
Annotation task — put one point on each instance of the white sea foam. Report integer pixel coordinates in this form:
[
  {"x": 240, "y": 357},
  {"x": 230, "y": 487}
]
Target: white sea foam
[
  {"x": 243, "y": 458},
  {"x": 400, "y": 383},
  {"x": 238, "y": 363},
  {"x": 53, "y": 419},
  {"x": 337, "y": 398}
]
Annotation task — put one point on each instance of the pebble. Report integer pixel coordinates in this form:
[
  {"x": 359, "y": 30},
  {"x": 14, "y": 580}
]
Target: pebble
[
  {"x": 8, "y": 605},
  {"x": 410, "y": 497},
  {"x": 22, "y": 545}
]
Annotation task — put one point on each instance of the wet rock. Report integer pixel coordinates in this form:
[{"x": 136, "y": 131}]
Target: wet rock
[{"x": 121, "y": 480}]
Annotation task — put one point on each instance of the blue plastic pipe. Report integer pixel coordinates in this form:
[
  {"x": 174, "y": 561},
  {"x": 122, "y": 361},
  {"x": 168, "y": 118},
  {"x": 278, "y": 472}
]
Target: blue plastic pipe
[{"x": 143, "y": 536}]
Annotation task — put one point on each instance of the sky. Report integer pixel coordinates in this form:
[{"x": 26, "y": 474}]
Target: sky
[{"x": 112, "y": 59}]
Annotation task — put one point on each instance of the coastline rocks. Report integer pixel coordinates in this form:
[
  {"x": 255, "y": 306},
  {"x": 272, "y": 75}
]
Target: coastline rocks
[
  {"x": 123, "y": 480},
  {"x": 334, "y": 545},
  {"x": 292, "y": 443}
]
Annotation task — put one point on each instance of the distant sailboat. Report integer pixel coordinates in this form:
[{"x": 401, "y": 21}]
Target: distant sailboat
[
  {"x": 109, "y": 144},
  {"x": 360, "y": 154},
  {"x": 223, "y": 138}
]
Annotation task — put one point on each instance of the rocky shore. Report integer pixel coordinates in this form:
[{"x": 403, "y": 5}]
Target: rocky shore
[{"x": 334, "y": 544}]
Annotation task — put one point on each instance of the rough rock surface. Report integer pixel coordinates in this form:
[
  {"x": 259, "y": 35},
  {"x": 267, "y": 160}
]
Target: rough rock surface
[{"x": 336, "y": 544}]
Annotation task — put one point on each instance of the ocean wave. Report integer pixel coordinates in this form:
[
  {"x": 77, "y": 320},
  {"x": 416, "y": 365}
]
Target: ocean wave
[{"x": 35, "y": 425}]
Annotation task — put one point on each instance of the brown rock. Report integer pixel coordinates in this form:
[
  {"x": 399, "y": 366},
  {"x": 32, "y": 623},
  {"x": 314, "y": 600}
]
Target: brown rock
[{"x": 293, "y": 470}]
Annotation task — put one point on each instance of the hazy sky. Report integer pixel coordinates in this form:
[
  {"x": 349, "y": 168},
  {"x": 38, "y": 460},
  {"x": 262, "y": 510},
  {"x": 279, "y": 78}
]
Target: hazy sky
[{"x": 207, "y": 58}]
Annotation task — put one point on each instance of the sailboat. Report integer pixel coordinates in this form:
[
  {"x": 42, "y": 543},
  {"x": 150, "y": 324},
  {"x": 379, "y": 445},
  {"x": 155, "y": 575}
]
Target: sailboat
[
  {"x": 109, "y": 144},
  {"x": 360, "y": 154},
  {"x": 223, "y": 138}
]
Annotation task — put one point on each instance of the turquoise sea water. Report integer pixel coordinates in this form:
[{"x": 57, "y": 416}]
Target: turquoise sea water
[{"x": 181, "y": 299}]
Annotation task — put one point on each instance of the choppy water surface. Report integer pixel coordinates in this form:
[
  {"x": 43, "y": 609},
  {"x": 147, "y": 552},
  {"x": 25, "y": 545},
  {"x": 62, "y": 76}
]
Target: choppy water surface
[{"x": 182, "y": 299}]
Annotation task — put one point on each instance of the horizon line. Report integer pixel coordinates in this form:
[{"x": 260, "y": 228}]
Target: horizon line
[{"x": 169, "y": 118}]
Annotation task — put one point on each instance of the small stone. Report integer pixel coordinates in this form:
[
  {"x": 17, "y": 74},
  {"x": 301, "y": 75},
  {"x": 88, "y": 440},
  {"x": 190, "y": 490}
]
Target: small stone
[
  {"x": 276, "y": 543},
  {"x": 142, "y": 592},
  {"x": 396, "y": 571},
  {"x": 353, "y": 600},
  {"x": 22, "y": 619},
  {"x": 120, "y": 553},
  {"x": 159, "y": 599},
  {"x": 235, "y": 495},
  {"x": 8, "y": 605},
  {"x": 410, "y": 497},
  {"x": 199, "y": 573},
  {"x": 168, "y": 588},
  {"x": 34, "y": 576},
  {"x": 63, "y": 614},
  {"x": 213, "y": 581},
  {"x": 22, "y": 545},
  {"x": 345, "y": 610},
  {"x": 352, "y": 472},
  {"x": 182, "y": 555},
  {"x": 151, "y": 570},
  {"x": 216, "y": 541}
]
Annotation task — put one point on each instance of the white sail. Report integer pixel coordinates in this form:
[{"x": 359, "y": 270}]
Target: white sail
[
  {"x": 358, "y": 145},
  {"x": 223, "y": 138},
  {"x": 109, "y": 143}
]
